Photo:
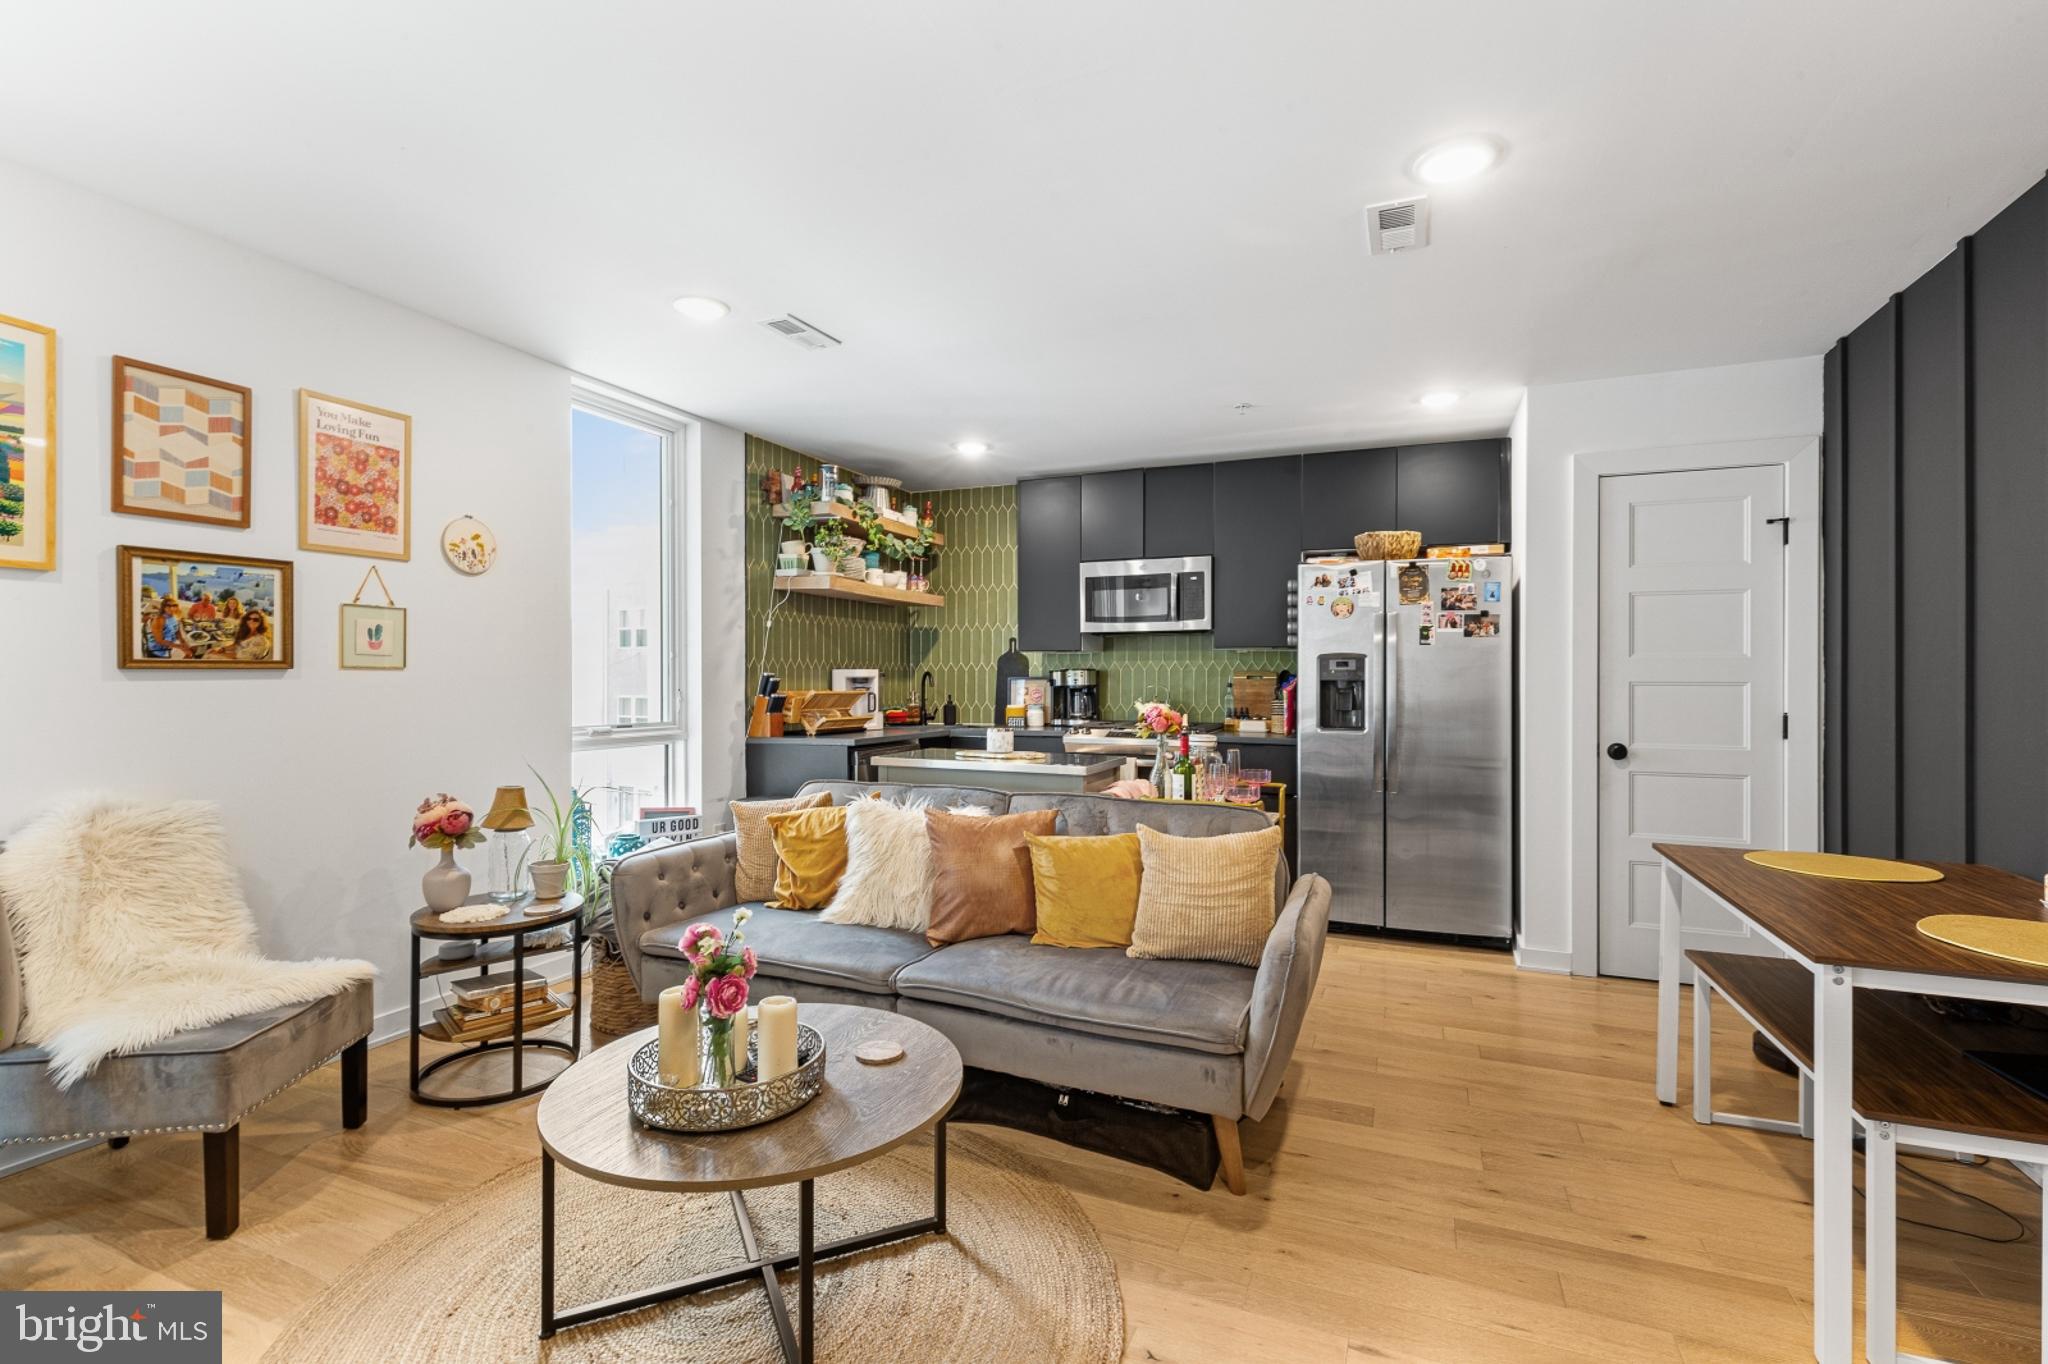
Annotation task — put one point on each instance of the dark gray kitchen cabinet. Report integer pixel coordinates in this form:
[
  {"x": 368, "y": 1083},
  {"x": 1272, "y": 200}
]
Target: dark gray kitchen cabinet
[
  {"x": 1455, "y": 492},
  {"x": 1179, "y": 513},
  {"x": 1257, "y": 522},
  {"x": 1112, "y": 516},
  {"x": 1346, "y": 492},
  {"x": 1049, "y": 564}
]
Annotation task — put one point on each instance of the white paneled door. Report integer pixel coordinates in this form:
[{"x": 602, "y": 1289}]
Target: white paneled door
[{"x": 1692, "y": 691}]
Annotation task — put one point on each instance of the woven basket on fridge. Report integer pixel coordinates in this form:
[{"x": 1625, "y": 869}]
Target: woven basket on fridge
[
  {"x": 615, "y": 1004},
  {"x": 1388, "y": 544}
]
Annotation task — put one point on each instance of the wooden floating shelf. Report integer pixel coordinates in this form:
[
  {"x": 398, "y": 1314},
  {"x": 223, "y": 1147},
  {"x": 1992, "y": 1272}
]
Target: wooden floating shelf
[
  {"x": 853, "y": 589},
  {"x": 838, "y": 511}
]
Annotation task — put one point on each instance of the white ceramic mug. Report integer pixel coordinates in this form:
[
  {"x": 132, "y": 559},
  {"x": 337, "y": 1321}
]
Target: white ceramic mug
[{"x": 1001, "y": 741}]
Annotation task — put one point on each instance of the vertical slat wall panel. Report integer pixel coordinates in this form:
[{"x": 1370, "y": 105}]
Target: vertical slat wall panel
[
  {"x": 1871, "y": 615},
  {"x": 1934, "y": 580},
  {"x": 1934, "y": 508},
  {"x": 2009, "y": 656},
  {"x": 1835, "y": 580}
]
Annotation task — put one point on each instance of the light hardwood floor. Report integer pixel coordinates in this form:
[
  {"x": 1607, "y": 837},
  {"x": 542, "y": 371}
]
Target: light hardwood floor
[{"x": 1467, "y": 1165}]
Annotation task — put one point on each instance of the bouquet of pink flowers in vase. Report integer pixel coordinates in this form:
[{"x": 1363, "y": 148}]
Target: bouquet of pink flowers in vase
[
  {"x": 720, "y": 969},
  {"x": 1156, "y": 720},
  {"x": 444, "y": 822}
]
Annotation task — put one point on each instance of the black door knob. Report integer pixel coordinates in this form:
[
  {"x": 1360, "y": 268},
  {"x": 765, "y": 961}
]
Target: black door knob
[{"x": 1617, "y": 751}]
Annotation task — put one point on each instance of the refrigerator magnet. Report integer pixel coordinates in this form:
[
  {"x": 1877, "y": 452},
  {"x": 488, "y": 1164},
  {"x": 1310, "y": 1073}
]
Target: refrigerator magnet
[
  {"x": 1342, "y": 607},
  {"x": 1492, "y": 590},
  {"x": 1413, "y": 583},
  {"x": 1461, "y": 570},
  {"x": 1481, "y": 625},
  {"x": 1458, "y": 597},
  {"x": 1450, "y": 623}
]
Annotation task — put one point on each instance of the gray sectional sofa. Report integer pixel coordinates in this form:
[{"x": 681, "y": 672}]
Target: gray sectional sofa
[{"x": 1200, "y": 1035}]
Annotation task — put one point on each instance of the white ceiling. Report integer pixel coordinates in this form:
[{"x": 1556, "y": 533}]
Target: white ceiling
[{"x": 1081, "y": 231}]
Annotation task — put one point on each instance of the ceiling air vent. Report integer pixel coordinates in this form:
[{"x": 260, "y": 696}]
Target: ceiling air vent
[
  {"x": 800, "y": 332},
  {"x": 1399, "y": 225}
]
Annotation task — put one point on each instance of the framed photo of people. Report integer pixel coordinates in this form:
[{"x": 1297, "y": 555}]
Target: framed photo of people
[
  {"x": 355, "y": 478},
  {"x": 28, "y": 445},
  {"x": 216, "y": 612}
]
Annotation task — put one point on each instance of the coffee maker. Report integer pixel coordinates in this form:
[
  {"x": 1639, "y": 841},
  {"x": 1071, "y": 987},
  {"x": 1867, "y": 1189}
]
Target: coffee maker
[{"x": 1076, "y": 695}]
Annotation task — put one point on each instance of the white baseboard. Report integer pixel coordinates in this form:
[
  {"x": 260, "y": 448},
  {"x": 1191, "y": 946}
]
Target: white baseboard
[{"x": 1548, "y": 959}]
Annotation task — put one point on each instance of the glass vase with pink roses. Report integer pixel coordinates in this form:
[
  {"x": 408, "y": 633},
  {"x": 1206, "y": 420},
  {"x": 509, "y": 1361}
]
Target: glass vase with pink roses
[{"x": 721, "y": 968}]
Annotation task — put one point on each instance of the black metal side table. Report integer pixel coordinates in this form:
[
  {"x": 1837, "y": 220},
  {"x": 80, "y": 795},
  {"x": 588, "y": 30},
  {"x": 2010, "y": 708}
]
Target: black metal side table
[{"x": 531, "y": 927}]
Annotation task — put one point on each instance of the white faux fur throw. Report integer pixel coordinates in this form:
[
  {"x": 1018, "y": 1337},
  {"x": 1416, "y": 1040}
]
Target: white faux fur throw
[{"x": 130, "y": 927}]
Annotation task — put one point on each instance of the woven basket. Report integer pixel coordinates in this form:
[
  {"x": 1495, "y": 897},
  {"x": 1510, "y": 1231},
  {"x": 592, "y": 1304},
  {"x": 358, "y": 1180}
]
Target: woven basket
[
  {"x": 615, "y": 1004},
  {"x": 1388, "y": 544}
]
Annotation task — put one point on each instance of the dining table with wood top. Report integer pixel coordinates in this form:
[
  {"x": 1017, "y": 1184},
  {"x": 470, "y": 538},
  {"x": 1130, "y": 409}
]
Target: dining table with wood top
[{"x": 1848, "y": 935}]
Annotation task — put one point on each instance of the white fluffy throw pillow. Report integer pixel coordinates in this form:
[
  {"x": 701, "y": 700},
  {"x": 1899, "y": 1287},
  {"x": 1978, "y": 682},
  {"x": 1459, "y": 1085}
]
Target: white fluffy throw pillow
[{"x": 888, "y": 881}]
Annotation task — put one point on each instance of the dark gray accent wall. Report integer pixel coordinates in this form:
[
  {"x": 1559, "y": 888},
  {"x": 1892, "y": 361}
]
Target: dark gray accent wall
[{"x": 1935, "y": 509}]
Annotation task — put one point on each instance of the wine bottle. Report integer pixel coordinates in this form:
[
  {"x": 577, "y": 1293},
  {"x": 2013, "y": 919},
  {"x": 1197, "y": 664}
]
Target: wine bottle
[{"x": 1182, "y": 783}]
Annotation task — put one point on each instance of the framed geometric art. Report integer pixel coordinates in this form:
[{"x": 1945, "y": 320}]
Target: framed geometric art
[
  {"x": 210, "y": 612},
  {"x": 181, "y": 445},
  {"x": 355, "y": 478},
  {"x": 28, "y": 445}
]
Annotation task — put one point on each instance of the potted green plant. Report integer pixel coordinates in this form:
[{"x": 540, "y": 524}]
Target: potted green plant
[
  {"x": 563, "y": 856},
  {"x": 797, "y": 523},
  {"x": 828, "y": 547}
]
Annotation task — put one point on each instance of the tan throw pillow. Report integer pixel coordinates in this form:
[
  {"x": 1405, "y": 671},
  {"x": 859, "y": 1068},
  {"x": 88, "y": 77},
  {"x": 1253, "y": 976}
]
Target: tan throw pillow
[
  {"x": 753, "y": 872},
  {"x": 981, "y": 873},
  {"x": 1205, "y": 899}
]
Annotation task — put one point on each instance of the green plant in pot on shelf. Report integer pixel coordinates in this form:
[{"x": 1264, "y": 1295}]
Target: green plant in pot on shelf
[
  {"x": 796, "y": 525},
  {"x": 830, "y": 548},
  {"x": 917, "y": 549},
  {"x": 564, "y": 852}
]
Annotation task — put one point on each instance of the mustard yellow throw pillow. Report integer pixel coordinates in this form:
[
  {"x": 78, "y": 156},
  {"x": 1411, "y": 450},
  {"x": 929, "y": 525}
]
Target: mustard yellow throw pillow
[
  {"x": 810, "y": 856},
  {"x": 1087, "y": 889},
  {"x": 753, "y": 872},
  {"x": 1206, "y": 899}
]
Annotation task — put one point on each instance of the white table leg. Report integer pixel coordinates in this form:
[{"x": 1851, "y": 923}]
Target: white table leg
[
  {"x": 1702, "y": 1049},
  {"x": 1834, "y": 1158},
  {"x": 1668, "y": 945},
  {"x": 1880, "y": 1245}
]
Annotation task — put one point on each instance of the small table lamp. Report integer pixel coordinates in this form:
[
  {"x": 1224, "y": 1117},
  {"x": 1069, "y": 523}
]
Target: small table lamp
[{"x": 508, "y": 819}]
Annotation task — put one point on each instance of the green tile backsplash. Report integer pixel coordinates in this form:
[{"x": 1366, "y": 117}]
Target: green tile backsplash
[{"x": 976, "y": 572}]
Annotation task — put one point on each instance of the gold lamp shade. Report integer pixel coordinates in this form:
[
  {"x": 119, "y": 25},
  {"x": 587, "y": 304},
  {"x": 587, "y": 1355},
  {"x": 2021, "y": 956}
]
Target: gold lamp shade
[{"x": 508, "y": 811}]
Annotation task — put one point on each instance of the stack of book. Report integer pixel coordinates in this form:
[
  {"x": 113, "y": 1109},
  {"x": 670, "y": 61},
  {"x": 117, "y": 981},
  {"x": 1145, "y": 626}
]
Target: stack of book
[{"x": 480, "y": 1007}]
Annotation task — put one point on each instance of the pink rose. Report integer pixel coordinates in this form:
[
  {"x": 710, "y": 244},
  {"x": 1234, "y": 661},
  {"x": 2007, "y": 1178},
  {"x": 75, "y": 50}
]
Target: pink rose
[
  {"x": 701, "y": 942},
  {"x": 726, "y": 995},
  {"x": 748, "y": 962},
  {"x": 457, "y": 821},
  {"x": 422, "y": 832},
  {"x": 690, "y": 992}
]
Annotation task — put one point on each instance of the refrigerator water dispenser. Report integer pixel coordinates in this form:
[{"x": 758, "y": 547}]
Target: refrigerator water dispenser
[{"x": 1340, "y": 698}]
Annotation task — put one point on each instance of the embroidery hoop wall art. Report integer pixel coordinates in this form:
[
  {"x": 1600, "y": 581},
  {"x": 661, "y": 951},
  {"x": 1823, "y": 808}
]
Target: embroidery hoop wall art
[
  {"x": 469, "y": 546},
  {"x": 373, "y": 637}
]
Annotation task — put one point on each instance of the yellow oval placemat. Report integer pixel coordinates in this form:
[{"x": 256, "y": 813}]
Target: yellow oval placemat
[
  {"x": 1841, "y": 867},
  {"x": 2013, "y": 939}
]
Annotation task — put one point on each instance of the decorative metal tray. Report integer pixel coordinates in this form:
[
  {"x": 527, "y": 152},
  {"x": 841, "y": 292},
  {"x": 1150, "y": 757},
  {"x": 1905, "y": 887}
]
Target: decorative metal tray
[{"x": 708, "y": 1108}]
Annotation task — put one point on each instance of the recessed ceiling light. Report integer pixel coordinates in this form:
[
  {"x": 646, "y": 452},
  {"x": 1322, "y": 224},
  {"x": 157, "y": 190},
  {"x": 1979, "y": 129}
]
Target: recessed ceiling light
[
  {"x": 700, "y": 309},
  {"x": 1440, "y": 398},
  {"x": 970, "y": 448},
  {"x": 1460, "y": 159}
]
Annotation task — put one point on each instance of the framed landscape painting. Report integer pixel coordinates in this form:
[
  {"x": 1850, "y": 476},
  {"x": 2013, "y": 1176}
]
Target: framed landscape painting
[
  {"x": 355, "y": 478},
  {"x": 205, "y": 611},
  {"x": 28, "y": 445},
  {"x": 181, "y": 445}
]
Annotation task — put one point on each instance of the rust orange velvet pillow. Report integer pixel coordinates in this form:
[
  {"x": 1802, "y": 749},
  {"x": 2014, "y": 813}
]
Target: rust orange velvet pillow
[{"x": 981, "y": 873}]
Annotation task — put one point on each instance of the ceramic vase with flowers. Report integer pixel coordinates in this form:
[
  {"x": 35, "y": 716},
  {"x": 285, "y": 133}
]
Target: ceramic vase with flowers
[
  {"x": 445, "y": 823},
  {"x": 721, "y": 969}
]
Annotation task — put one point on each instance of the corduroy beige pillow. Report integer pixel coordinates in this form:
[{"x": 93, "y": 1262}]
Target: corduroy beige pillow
[
  {"x": 753, "y": 872},
  {"x": 1205, "y": 899}
]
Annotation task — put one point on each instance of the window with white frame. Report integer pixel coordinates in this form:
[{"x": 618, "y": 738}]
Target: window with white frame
[{"x": 626, "y": 536}]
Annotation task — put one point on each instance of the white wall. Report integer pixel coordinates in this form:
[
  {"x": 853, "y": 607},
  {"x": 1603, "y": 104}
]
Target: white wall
[
  {"x": 716, "y": 629},
  {"x": 316, "y": 769},
  {"x": 1556, "y": 425}
]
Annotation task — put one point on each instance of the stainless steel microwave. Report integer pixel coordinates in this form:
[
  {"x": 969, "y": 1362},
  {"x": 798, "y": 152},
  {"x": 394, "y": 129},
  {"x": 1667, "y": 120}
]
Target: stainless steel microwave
[{"x": 1129, "y": 596}]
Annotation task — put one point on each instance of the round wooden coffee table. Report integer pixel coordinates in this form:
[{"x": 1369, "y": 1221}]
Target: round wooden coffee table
[{"x": 861, "y": 1112}]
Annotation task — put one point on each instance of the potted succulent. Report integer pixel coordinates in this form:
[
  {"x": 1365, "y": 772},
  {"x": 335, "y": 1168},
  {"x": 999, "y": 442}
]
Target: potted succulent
[{"x": 563, "y": 853}]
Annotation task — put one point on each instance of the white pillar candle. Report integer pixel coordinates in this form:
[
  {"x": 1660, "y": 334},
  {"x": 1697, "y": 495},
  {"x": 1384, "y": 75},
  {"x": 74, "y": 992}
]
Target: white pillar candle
[
  {"x": 778, "y": 1036},
  {"x": 739, "y": 1041},
  {"x": 679, "y": 1063}
]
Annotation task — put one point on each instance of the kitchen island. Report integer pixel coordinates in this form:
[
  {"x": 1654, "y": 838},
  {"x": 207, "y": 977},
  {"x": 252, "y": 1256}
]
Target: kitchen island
[{"x": 1063, "y": 773}]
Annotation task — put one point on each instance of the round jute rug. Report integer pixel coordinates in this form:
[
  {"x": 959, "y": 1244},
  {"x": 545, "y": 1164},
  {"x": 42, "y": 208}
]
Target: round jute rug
[{"x": 1019, "y": 1275}]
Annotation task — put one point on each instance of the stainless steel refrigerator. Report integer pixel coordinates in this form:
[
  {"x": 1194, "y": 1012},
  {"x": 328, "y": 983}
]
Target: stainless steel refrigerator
[{"x": 1406, "y": 733}]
